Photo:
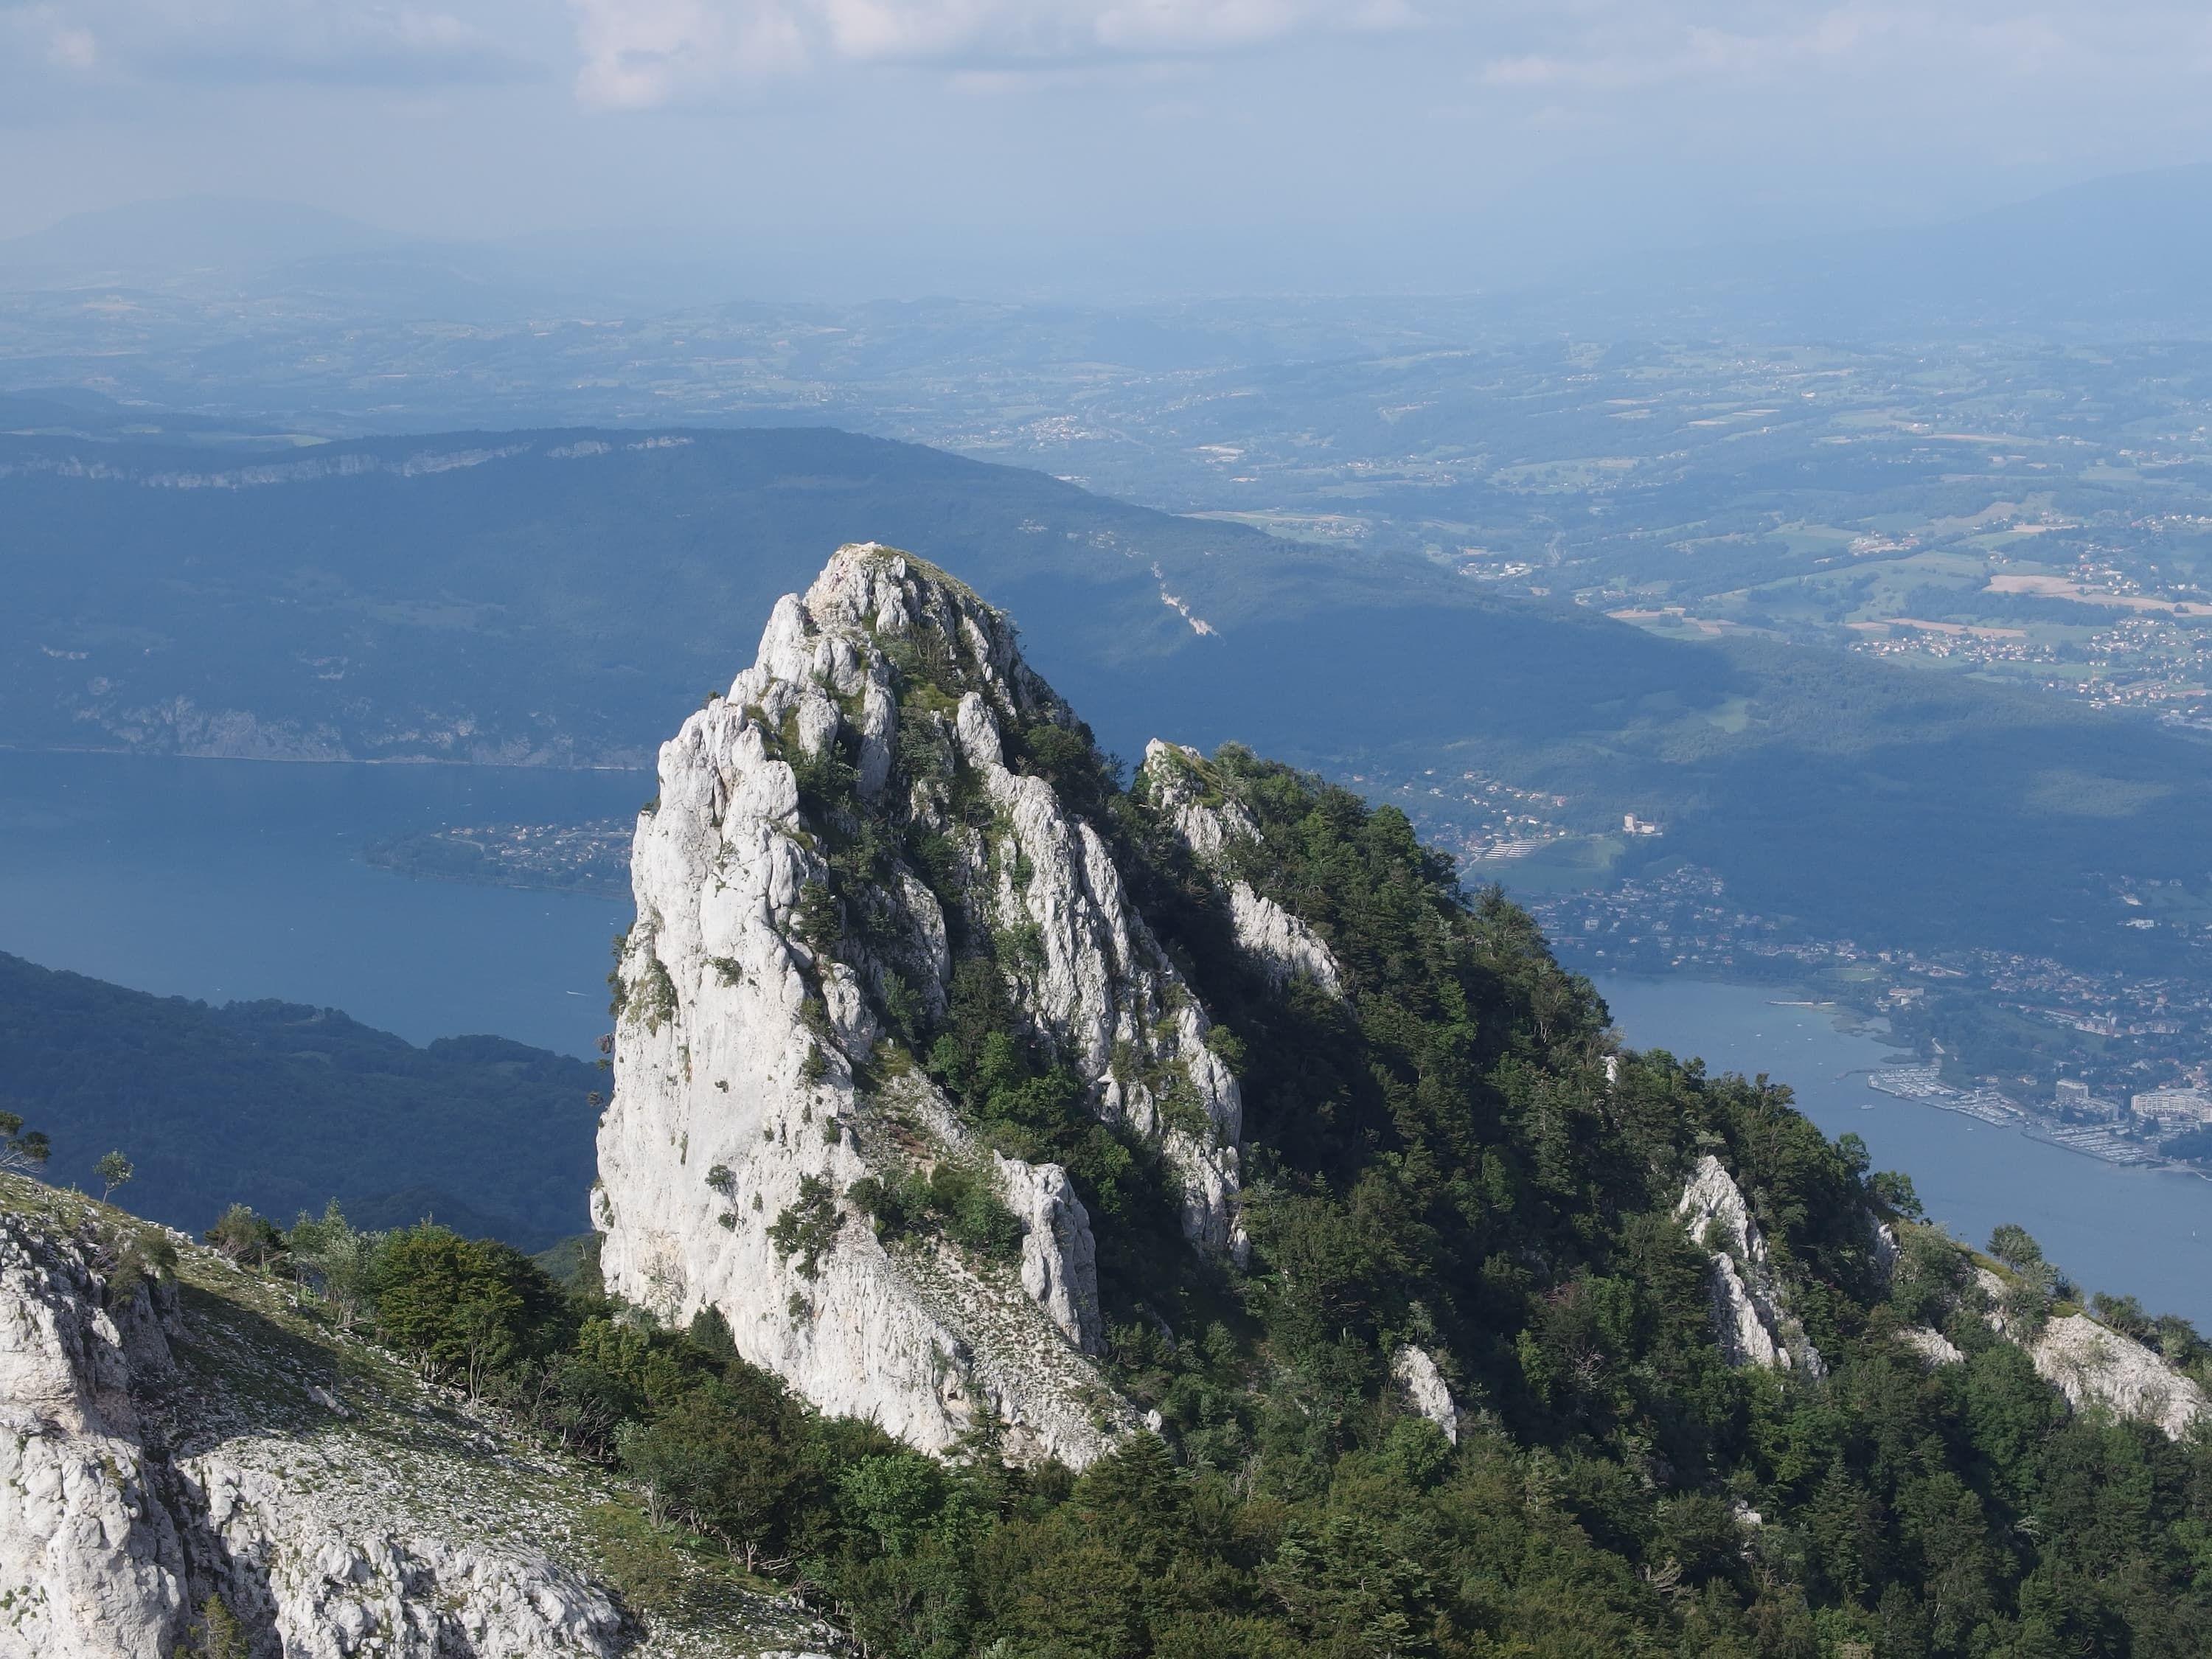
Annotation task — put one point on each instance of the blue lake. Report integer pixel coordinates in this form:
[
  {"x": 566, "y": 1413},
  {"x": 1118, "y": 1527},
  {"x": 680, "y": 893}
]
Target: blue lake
[
  {"x": 230, "y": 880},
  {"x": 2143, "y": 1232}
]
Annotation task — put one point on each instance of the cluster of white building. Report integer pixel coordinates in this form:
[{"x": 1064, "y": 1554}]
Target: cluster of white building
[
  {"x": 2169, "y": 1111},
  {"x": 2173, "y": 1110}
]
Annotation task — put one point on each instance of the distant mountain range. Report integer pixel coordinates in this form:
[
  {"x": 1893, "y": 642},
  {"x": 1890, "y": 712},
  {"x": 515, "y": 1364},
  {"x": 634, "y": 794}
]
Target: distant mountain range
[
  {"x": 2123, "y": 252},
  {"x": 562, "y": 596}
]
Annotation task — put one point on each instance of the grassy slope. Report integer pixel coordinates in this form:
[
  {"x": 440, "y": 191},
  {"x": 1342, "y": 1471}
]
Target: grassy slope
[{"x": 248, "y": 1357}]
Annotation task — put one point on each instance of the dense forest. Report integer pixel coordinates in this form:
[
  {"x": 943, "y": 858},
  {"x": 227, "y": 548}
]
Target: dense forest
[
  {"x": 280, "y": 1106},
  {"x": 1445, "y": 1157}
]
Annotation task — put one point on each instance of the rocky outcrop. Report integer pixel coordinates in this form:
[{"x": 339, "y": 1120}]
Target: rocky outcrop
[
  {"x": 870, "y": 795},
  {"x": 1059, "y": 1271},
  {"x": 1751, "y": 1316},
  {"x": 90, "y": 1560},
  {"x": 1414, "y": 1370},
  {"x": 163, "y": 1450},
  {"x": 1278, "y": 945},
  {"x": 309, "y": 1557},
  {"x": 1934, "y": 1347},
  {"x": 2093, "y": 1365}
]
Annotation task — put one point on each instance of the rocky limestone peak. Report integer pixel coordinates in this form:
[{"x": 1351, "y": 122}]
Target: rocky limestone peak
[
  {"x": 1751, "y": 1315},
  {"x": 889, "y": 806}
]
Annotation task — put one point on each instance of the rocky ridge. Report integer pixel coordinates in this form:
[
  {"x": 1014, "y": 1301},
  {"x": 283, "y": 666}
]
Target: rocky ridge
[
  {"x": 2095, "y": 1367},
  {"x": 1750, "y": 1313},
  {"x": 2091, "y": 1365},
  {"x": 867, "y": 794},
  {"x": 181, "y": 1434},
  {"x": 1281, "y": 945}
]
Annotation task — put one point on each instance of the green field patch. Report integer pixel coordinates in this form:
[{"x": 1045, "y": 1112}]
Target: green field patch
[
  {"x": 1732, "y": 716},
  {"x": 1563, "y": 866},
  {"x": 2067, "y": 793}
]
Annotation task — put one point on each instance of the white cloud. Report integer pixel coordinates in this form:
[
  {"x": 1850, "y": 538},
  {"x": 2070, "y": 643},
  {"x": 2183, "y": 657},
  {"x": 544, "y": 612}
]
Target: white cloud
[
  {"x": 324, "y": 41},
  {"x": 1609, "y": 47},
  {"x": 73, "y": 48},
  {"x": 642, "y": 53}
]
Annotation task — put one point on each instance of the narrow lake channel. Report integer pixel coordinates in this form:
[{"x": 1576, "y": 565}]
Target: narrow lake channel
[{"x": 2143, "y": 1232}]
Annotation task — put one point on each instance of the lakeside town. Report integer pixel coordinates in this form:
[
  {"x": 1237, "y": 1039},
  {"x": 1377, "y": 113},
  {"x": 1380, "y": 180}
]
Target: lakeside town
[
  {"x": 2110, "y": 1064},
  {"x": 567, "y": 858}
]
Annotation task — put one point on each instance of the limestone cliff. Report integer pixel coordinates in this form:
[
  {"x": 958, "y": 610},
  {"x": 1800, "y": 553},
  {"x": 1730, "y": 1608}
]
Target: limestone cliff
[
  {"x": 1750, "y": 1314},
  {"x": 1282, "y": 947},
  {"x": 1414, "y": 1370},
  {"x": 2093, "y": 1365},
  {"x": 180, "y": 1434},
  {"x": 870, "y": 793}
]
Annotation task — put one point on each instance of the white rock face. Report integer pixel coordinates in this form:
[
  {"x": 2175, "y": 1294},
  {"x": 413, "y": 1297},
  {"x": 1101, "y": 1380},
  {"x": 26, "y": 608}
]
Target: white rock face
[
  {"x": 136, "y": 1486},
  {"x": 1931, "y": 1345},
  {"x": 751, "y": 1079},
  {"x": 1279, "y": 944},
  {"x": 1882, "y": 1240},
  {"x": 1750, "y": 1315},
  {"x": 2092, "y": 1364},
  {"x": 1059, "y": 1270},
  {"x": 90, "y": 1562},
  {"x": 1415, "y": 1371}
]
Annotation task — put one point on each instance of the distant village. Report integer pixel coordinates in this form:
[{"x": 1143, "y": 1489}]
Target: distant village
[
  {"x": 572, "y": 858},
  {"x": 2107, "y": 1064}
]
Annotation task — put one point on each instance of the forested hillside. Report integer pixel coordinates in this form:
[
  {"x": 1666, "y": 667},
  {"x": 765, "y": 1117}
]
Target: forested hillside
[
  {"x": 284, "y": 1107},
  {"x": 1453, "y": 1156}
]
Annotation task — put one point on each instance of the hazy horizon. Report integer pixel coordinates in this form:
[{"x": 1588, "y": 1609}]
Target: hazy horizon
[{"x": 1086, "y": 146}]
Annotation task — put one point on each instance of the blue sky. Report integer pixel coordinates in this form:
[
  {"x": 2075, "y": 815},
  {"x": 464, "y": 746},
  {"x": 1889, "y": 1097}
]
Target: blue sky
[{"x": 1287, "y": 137}]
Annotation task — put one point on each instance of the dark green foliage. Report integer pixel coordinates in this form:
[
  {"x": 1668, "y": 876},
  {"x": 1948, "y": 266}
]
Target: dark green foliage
[
  {"x": 956, "y": 1199},
  {"x": 245, "y": 1236},
  {"x": 818, "y": 919},
  {"x": 216, "y": 1633},
  {"x": 726, "y": 1460},
  {"x": 114, "y": 1170},
  {"x": 827, "y": 780},
  {"x": 808, "y": 1228},
  {"x": 22, "y": 1150},
  {"x": 710, "y": 1333},
  {"x": 462, "y": 1308},
  {"x": 1068, "y": 758},
  {"x": 2015, "y": 1246},
  {"x": 280, "y": 1105},
  {"x": 1894, "y": 1188}
]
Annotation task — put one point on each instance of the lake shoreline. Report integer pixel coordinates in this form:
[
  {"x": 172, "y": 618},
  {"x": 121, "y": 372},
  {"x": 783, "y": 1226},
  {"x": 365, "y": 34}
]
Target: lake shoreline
[{"x": 2142, "y": 1230}]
